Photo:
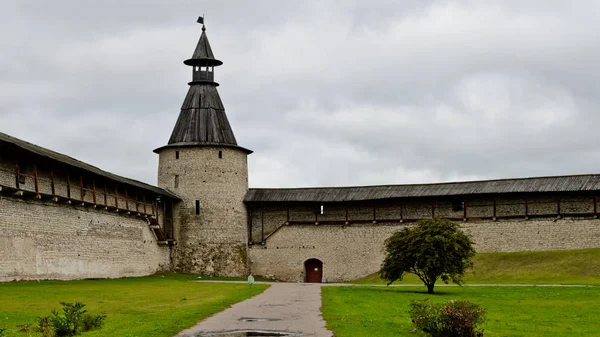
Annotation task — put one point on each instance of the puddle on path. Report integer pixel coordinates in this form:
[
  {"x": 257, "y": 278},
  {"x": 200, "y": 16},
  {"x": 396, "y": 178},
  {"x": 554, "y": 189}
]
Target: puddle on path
[
  {"x": 245, "y": 333},
  {"x": 256, "y": 319}
]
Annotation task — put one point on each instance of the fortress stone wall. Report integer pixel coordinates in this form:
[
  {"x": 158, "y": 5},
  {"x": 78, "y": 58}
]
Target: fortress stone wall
[
  {"x": 46, "y": 240},
  {"x": 351, "y": 252},
  {"x": 61, "y": 222},
  {"x": 349, "y": 238}
]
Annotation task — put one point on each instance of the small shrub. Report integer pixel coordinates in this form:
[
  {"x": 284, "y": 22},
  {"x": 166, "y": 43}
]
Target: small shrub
[
  {"x": 73, "y": 320},
  {"x": 91, "y": 322},
  {"x": 45, "y": 326},
  {"x": 450, "y": 319},
  {"x": 67, "y": 324},
  {"x": 2, "y": 332}
]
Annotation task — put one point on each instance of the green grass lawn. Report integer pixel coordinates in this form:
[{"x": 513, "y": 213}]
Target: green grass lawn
[
  {"x": 512, "y": 311},
  {"x": 550, "y": 267},
  {"x": 146, "y": 306}
]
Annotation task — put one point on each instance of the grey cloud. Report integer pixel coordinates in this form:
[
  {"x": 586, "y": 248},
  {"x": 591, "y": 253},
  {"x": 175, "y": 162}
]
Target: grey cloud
[{"x": 324, "y": 92}]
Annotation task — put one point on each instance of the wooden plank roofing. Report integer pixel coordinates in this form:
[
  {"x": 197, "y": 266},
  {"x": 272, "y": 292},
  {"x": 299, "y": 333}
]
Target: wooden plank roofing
[
  {"x": 6, "y": 140},
  {"x": 557, "y": 184},
  {"x": 202, "y": 118},
  {"x": 202, "y": 121}
]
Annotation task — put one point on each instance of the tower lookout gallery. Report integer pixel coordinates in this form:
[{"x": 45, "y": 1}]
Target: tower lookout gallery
[{"x": 61, "y": 218}]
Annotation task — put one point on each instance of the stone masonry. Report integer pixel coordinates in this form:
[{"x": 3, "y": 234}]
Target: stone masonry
[
  {"x": 60, "y": 222},
  {"x": 46, "y": 240},
  {"x": 354, "y": 251},
  {"x": 214, "y": 241},
  {"x": 349, "y": 238}
]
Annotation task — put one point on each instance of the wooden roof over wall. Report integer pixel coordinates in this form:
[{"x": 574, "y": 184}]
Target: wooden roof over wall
[
  {"x": 557, "y": 184},
  {"x": 6, "y": 140}
]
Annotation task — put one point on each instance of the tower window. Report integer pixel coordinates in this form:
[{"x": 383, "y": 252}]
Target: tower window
[
  {"x": 176, "y": 154},
  {"x": 176, "y": 183},
  {"x": 322, "y": 209},
  {"x": 220, "y": 154},
  {"x": 197, "y": 207}
]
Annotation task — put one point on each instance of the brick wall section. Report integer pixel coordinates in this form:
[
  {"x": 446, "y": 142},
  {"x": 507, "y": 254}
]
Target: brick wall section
[
  {"x": 351, "y": 252},
  {"x": 215, "y": 241},
  {"x": 48, "y": 240}
]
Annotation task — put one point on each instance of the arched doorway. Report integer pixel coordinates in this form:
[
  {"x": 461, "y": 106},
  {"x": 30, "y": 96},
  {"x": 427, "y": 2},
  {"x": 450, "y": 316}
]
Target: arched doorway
[{"x": 313, "y": 270}]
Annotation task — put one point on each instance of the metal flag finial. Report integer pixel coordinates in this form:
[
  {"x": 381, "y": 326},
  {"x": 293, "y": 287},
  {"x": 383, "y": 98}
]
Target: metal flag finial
[{"x": 201, "y": 21}]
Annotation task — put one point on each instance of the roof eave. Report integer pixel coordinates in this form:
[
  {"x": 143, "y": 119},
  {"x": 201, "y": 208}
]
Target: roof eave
[
  {"x": 203, "y": 61},
  {"x": 202, "y": 144},
  {"x": 586, "y": 183}
]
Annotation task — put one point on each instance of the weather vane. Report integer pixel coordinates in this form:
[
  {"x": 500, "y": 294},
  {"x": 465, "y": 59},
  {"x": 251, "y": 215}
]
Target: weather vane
[{"x": 201, "y": 21}]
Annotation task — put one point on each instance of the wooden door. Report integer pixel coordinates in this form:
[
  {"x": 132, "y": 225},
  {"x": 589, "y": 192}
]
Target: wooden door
[{"x": 313, "y": 269}]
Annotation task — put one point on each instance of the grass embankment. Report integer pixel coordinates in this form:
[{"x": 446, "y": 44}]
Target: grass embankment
[
  {"x": 550, "y": 267},
  {"x": 145, "y": 306},
  {"x": 512, "y": 311}
]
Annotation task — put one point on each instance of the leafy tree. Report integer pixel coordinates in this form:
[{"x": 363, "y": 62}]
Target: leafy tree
[{"x": 431, "y": 250}]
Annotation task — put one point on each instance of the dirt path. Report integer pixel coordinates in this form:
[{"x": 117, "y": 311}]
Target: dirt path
[{"x": 285, "y": 307}]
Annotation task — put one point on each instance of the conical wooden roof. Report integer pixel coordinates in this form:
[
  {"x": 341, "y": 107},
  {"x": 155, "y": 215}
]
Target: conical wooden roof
[
  {"x": 203, "y": 54},
  {"x": 202, "y": 120}
]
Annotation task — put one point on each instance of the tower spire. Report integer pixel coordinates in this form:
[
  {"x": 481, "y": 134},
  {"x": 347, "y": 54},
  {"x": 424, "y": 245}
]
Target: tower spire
[
  {"x": 203, "y": 53},
  {"x": 202, "y": 120}
]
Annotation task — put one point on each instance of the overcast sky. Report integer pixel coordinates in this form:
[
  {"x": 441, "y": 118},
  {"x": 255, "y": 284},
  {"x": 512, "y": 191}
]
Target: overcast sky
[{"x": 327, "y": 93}]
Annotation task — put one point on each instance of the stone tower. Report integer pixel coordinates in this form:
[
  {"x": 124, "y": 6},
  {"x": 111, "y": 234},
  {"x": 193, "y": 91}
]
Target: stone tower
[{"x": 203, "y": 164}]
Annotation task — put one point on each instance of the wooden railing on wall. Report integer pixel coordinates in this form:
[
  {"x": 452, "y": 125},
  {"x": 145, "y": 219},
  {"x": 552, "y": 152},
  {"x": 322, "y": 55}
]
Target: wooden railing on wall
[
  {"x": 77, "y": 194},
  {"x": 258, "y": 214}
]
